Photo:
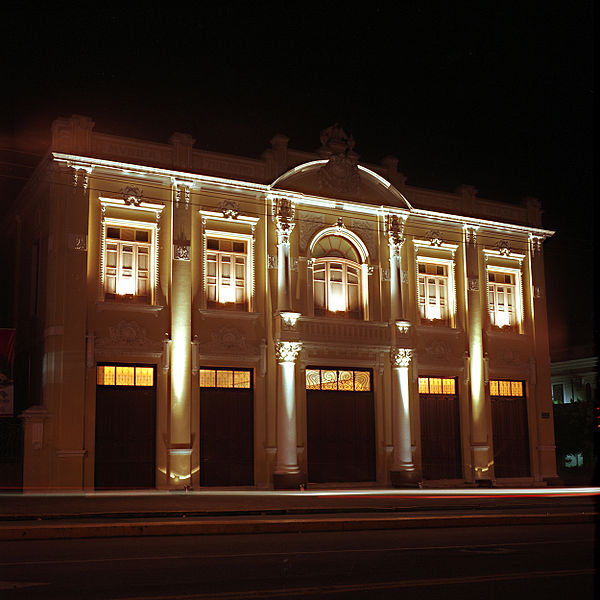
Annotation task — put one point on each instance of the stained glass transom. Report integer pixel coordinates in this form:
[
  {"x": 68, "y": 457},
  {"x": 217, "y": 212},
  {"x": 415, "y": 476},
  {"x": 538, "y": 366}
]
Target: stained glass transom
[
  {"x": 339, "y": 380},
  {"x": 128, "y": 375},
  {"x": 501, "y": 387},
  {"x": 437, "y": 385},
  {"x": 225, "y": 378}
]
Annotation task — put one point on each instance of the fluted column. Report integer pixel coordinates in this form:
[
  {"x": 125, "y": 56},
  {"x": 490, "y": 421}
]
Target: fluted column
[
  {"x": 284, "y": 222},
  {"x": 287, "y": 471},
  {"x": 481, "y": 435},
  {"x": 403, "y": 472}
]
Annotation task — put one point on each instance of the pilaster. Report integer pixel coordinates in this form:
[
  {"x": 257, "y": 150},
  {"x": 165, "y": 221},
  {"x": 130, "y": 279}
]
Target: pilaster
[
  {"x": 482, "y": 460},
  {"x": 180, "y": 443}
]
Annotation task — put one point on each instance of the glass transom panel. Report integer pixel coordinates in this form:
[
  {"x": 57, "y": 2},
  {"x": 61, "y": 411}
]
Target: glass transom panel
[
  {"x": 339, "y": 380},
  {"x": 437, "y": 385},
  {"x": 127, "y": 375},
  {"x": 499, "y": 387},
  {"x": 225, "y": 378}
]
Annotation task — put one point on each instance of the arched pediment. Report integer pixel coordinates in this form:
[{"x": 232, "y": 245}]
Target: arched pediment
[{"x": 341, "y": 179}]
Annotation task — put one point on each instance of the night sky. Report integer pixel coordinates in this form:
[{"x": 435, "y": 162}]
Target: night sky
[{"x": 497, "y": 95}]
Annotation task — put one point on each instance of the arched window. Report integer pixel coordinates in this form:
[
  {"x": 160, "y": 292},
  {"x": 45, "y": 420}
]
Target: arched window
[{"x": 337, "y": 277}]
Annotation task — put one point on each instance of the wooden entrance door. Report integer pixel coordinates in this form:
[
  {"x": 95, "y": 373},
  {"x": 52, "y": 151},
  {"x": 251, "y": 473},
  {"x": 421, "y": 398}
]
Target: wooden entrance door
[
  {"x": 340, "y": 436},
  {"x": 440, "y": 436},
  {"x": 226, "y": 437},
  {"x": 125, "y": 437},
  {"x": 511, "y": 437}
]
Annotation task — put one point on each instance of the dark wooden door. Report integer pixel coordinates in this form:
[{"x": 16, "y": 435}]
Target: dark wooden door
[
  {"x": 340, "y": 436},
  {"x": 511, "y": 437},
  {"x": 440, "y": 437},
  {"x": 226, "y": 437},
  {"x": 125, "y": 437}
]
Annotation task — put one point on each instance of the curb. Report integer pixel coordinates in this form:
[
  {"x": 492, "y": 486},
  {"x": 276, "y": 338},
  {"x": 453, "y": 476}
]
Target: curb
[{"x": 250, "y": 526}]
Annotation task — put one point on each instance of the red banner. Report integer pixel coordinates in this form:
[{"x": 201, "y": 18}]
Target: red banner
[{"x": 7, "y": 344}]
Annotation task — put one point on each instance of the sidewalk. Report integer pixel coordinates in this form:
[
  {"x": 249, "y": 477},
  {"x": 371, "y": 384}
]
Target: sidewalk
[{"x": 117, "y": 514}]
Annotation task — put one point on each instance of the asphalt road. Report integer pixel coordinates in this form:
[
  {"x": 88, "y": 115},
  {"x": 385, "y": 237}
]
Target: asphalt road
[{"x": 469, "y": 563}]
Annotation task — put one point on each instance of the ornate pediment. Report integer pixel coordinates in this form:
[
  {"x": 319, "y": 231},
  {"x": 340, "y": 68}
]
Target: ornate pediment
[{"x": 340, "y": 173}]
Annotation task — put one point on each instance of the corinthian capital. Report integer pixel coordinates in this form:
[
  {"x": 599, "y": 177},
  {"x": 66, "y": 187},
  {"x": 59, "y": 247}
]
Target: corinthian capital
[
  {"x": 287, "y": 351},
  {"x": 395, "y": 232},
  {"x": 401, "y": 357},
  {"x": 284, "y": 219}
]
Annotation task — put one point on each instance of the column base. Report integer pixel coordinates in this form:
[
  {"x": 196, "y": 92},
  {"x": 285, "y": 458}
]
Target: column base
[
  {"x": 405, "y": 479},
  {"x": 553, "y": 481},
  {"x": 288, "y": 481},
  {"x": 484, "y": 483}
]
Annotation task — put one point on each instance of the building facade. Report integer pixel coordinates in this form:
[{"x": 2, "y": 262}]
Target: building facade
[{"x": 199, "y": 319}]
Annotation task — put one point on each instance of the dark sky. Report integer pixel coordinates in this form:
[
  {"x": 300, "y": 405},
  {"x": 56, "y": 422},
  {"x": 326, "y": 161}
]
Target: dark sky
[{"x": 498, "y": 95}]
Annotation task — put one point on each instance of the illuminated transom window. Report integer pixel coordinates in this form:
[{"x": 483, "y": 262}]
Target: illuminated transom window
[
  {"x": 503, "y": 300},
  {"x": 226, "y": 274},
  {"x": 339, "y": 380},
  {"x": 506, "y": 388},
  {"x": 128, "y": 263},
  {"x": 225, "y": 378},
  {"x": 437, "y": 385},
  {"x": 337, "y": 277},
  {"x": 125, "y": 375}
]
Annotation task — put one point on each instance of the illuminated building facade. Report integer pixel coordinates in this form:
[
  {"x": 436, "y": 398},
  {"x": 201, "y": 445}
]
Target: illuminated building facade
[{"x": 203, "y": 319}]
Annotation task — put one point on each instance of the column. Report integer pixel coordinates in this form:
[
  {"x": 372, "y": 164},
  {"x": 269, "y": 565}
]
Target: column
[
  {"x": 403, "y": 472},
  {"x": 481, "y": 436},
  {"x": 540, "y": 378},
  {"x": 180, "y": 447},
  {"x": 284, "y": 222},
  {"x": 287, "y": 471}
]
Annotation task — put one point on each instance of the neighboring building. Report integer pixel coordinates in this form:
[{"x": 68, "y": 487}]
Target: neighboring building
[
  {"x": 574, "y": 394},
  {"x": 189, "y": 318}
]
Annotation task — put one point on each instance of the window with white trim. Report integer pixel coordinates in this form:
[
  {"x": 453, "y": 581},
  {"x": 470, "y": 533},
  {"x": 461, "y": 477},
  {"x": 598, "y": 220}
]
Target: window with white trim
[
  {"x": 227, "y": 273},
  {"x": 336, "y": 278},
  {"x": 503, "y": 302},
  {"x": 128, "y": 262},
  {"x": 433, "y": 292},
  {"x": 436, "y": 296}
]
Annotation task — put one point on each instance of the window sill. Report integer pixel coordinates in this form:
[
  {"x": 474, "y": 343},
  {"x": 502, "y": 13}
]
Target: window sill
[
  {"x": 215, "y": 313},
  {"x": 506, "y": 333},
  {"x": 129, "y": 307}
]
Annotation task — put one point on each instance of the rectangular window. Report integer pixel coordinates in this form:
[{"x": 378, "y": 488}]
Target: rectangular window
[
  {"x": 128, "y": 264},
  {"x": 127, "y": 375},
  {"x": 434, "y": 291},
  {"x": 506, "y": 388},
  {"x": 225, "y": 378},
  {"x": 437, "y": 385},
  {"x": 226, "y": 274},
  {"x": 502, "y": 299}
]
